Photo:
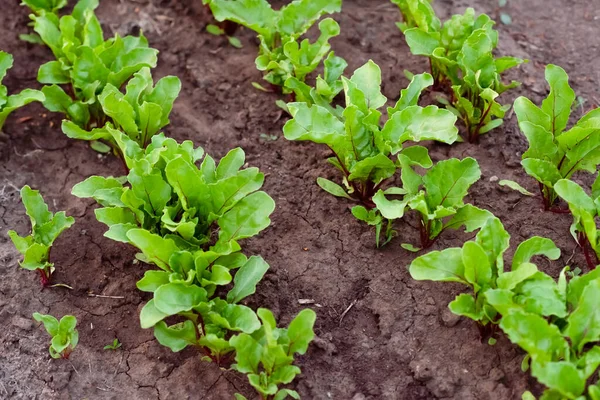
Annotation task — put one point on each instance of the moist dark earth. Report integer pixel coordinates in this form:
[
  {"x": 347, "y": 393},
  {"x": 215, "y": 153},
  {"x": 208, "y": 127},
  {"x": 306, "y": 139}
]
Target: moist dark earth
[{"x": 396, "y": 340}]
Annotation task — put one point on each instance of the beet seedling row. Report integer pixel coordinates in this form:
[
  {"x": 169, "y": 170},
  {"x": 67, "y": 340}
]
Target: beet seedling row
[{"x": 184, "y": 219}]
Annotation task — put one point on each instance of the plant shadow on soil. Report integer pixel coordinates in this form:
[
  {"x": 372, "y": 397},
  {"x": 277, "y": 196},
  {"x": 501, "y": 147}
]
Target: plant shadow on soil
[{"x": 397, "y": 341}]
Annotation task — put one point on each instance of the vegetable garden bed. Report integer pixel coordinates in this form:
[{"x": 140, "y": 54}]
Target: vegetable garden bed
[{"x": 379, "y": 333}]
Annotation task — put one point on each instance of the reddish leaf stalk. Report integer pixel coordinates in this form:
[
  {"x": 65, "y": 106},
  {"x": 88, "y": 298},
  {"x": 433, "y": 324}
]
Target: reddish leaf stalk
[
  {"x": 424, "y": 233},
  {"x": 591, "y": 258},
  {"x": 486, "y": 331},
  {"x": 66, "y": 353},
  {"x": 548, "y": 204},
  {"x": 44, "y": 277},
  {"x": 474, "y": 135}
]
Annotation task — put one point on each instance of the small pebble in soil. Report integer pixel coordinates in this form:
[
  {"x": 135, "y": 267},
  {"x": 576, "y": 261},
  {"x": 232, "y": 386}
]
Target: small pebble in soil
[
  {"x": 448, "y": 318},
  {"x": 421, "y": 370},
  {"x": 325, "y": 345},
  {"x": 496, "y": 374},
  {"x": 22, "y": 323},
  {"x": 59, "y": 380}
]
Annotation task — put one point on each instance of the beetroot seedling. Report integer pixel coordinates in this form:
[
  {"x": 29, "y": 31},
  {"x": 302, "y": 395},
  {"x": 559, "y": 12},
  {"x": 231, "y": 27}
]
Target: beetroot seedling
[
  {"x": 45, "y": 229},
  {"x": 64, "y": 335}
]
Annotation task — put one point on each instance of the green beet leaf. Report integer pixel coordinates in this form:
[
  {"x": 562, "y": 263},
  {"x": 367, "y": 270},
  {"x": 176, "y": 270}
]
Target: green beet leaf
[
  {"x": 417, "y": 14},
  {"x": 246, "y": 279},
  {"x": 176, "y": 337},
  {"x": 9, "y": 103},
  {"x": 584, "y": 210}
]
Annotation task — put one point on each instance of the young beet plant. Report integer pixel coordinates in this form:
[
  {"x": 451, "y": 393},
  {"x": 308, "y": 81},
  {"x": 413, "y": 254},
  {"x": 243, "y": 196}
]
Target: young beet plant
[
  {"x": 64, "y": 335},
  {"x": 563, "y": 352},
  {"x": 361, "y": 147},
  {"x": 10, "y": 103},
  {"x": 267, "y": 355},
  {"x": 92, "y": 67},
  {"x": 437, "y": 196},
  {"x": 285, "y": 61},
  {"x": 461, "y": 57},
  {"x": 555, "y": 153},
  {"x": 45, "y": 228},
  {"x": 187, "y": 221},
  {"x": 479, "y": 264},
  {"x": 417, "y": 14},
  {"x": 141, "y": 112},
  {"x": 585, "y": 211},
  {"x": 556, "y": 323},
  {"x": 39, "y": 7}
]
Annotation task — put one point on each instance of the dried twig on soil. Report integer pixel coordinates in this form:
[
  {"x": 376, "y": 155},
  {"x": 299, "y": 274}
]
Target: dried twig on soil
[
  {"x": 105, "y": 297},
  {"x": 346, "y": 310}
]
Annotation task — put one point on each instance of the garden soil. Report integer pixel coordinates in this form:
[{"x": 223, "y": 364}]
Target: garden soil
[{"x": 380, "y": 335}]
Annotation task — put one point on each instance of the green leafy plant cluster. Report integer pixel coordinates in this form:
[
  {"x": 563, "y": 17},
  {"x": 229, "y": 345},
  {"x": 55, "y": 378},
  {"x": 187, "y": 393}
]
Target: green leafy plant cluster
[
  {"x": 284, "y": 59},
  {"x": 140, "y": 113},
  {"x": 461, "y": 57},
  {"x": 40, "y": 6},
  {"x": 267, "y": 354},
  {"x": 45, "y": 229},
  {"x": 554, "y": 152},
  {"x": 479, "y": 264},
  {"x": 585, "y": 210},
  {"x": 563, "y": 351},
  {"x": 437, "y": 196},
  {"x": 64, "y": 335},
  {"x": 555, "y": 322},
  {"x": 417, "y": 14},
  {"x": 9, "y": 103},
  {"x": 93, "y": 70},
  {"x": 187, "y": 221},
  {"x": 115, "y": 345},
  {"x": 361, "y": 146}
]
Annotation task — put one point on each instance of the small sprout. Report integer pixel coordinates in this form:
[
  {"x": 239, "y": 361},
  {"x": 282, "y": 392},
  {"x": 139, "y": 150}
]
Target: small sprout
[
  {"x": 45, "y": 229},
  {"x": 64, "y": 335},
  {"x": 114, "y": 345},
  {"x": 505, "y": 18},
  {"x": 214, "y": 30},
  {"x": 268, "y": 138},
  {"x": 235, "y": 42},
  {"x": 218, "y": 31}
]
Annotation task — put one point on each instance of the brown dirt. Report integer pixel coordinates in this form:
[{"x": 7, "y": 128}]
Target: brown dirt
[{"x": 398, "y": 341}]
